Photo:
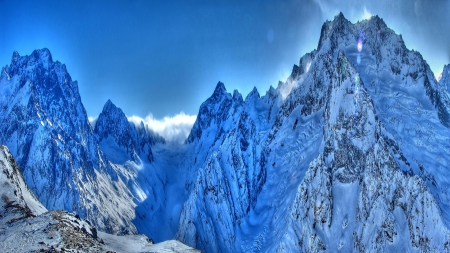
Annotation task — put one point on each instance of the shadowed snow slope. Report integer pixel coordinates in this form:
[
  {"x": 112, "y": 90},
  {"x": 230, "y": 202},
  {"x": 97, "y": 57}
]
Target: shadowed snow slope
[{"x": 26, "y": 226}]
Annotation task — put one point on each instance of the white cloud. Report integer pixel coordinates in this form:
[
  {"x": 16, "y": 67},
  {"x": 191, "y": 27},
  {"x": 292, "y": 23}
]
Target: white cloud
[
  {"x": 174, "y": 129},
  {"x": 323, "y": 7},
  {"x": 285, "y": 88},
  {"x": 92, "y": 120},
  {"x": 328, "y": 9}
]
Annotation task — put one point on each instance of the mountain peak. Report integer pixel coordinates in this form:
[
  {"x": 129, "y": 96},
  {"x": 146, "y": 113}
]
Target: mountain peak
[
  {"x": 339, "y": 19},
  {"x": 379, "y": 21},
  {"x": 237, "y": 95},
  {"x": 44, "y": 55},
  {"x": 339, "y": 25},
  {"x": 109, "y": 104},
  {"x": 15, "y": 57},
  {"x": 110, "y": 107},
  {"x": 37, "y": 57},
  {"x": 253, "y": 94},
  {"x": 339, "y": 16},
  {"x": 255, "y": 90},
  {"x": 220, "y": 89},
  {"x": 111, "y": 110},
  {"x": 271, "y": 90}
]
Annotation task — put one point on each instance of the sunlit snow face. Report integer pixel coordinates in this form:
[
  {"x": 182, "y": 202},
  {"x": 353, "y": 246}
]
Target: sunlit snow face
[{"x": 307, "y": 66}]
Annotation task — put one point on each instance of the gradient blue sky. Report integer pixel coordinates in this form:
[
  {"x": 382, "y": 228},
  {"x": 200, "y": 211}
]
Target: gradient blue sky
[{"x": 164, "y": 57}]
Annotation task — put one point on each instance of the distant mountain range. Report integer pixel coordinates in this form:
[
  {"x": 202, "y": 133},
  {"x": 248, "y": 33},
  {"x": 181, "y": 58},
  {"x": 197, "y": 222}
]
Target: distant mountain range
[{"x": 350, "y": 153}]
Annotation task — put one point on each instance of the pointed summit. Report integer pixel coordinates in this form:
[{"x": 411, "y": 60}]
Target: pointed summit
[
  {"x": 334, "y": 29},
  {"x": 378, "y": 21},
  {"x": 111, "y": 109},
  {"x": 339, "y": 20},
  {"x": 15, "y": 57},
  {"x": 339, "y": 16},
  {"x": 254, "y": 94},
  {"x": 220, "y": 89},
  {"x": 44, "y": 55},
  {"x": 109, "y": 105},
  {"x": 271, "y": 90},
  {"x": 237, "y": 96},
  {"x": 110, "y": 115},
  {"x": 114, "y": 131}
]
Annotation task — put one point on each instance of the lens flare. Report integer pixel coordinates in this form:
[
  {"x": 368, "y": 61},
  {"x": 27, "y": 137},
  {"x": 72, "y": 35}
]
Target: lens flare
[
  {"x": 358, "y": 58},
  {"x": 361, "y": 40}
]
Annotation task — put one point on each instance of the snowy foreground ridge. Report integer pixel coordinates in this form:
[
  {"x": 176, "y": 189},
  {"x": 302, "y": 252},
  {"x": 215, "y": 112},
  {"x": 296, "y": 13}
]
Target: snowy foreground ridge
[
  {"x": 26, "y": 226},
  {"x": 350, "y": 154}
]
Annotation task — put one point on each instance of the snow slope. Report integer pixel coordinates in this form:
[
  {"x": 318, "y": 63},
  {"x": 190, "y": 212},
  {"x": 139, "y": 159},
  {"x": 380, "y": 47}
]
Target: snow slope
[
  {"x": 26, "y": 226},
  {"x": 17, "y": 201}
]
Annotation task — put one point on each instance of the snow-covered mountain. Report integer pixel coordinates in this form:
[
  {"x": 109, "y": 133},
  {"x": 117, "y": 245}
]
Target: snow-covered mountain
[
  {"x": 354, "y": 196},
  {"x": 227, "y": 147},
  {"x": 118, "y": 137},
  {"x": 109, "y": 176},
  {"x": 350, "y": 154},
  {"x": 44, "y": 124},
  {"x": 130, "y": 150}
]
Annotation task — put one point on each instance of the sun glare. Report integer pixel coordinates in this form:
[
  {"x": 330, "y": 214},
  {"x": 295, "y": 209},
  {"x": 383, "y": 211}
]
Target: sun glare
[{"x": 366, "y": 14}]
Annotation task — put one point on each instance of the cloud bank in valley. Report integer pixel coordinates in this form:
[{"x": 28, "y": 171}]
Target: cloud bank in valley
[{"x": 174, "y": 129}]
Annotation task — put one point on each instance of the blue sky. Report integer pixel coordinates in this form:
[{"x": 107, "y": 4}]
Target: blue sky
[{"x": 160, "y": 58}]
